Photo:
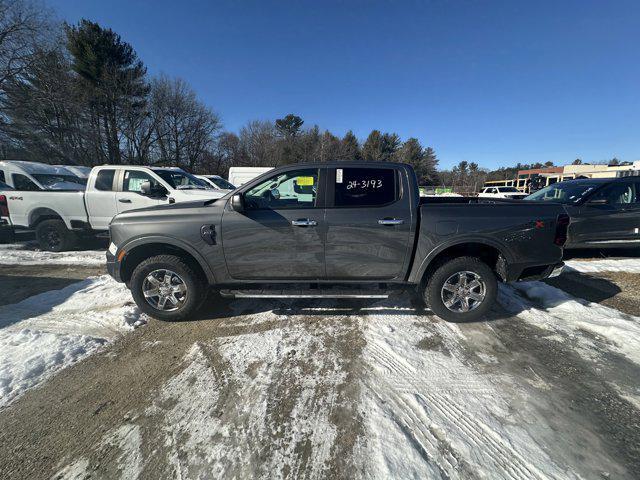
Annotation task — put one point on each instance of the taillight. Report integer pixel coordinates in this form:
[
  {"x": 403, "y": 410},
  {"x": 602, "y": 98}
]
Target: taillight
[
  {"x": 4, "y": 208},
  {"x": 562, "y": 226}
]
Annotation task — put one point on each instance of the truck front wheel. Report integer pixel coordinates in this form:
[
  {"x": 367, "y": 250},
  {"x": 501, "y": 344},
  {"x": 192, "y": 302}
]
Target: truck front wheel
[
  {"x": 54, "y": 236},
  {"x": 461, "y": 290},
  {"x": 167, "y": 288}
]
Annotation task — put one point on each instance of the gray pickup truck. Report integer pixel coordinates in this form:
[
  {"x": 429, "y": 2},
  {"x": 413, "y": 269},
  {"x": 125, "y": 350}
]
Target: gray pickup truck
[{"x": 339, "y": 230}]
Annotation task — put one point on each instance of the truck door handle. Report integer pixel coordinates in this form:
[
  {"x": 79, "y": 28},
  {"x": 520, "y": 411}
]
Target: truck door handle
[
  {"x": 390, "y": 221},
  {"x": 124, "y": 200},
  {"x": 304, "y": 222}
]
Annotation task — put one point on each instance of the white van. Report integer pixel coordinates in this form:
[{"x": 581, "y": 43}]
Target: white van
[{"x": 240, "y": 175}]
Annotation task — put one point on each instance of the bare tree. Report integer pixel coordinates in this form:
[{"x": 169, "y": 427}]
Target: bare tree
[
  {"x": 258, "y": 141},
  {"x": 24, "y": 29},
  {"x": 185, "y": 128}
]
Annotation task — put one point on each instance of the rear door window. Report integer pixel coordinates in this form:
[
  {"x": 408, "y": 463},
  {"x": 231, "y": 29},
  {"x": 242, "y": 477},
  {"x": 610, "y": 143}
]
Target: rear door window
[
  {"x": 104, "y": 180},
  {"x": 365, "y": 187},
  {"x": 23, "y": 183},
  {"x": 617, "y": 194}
]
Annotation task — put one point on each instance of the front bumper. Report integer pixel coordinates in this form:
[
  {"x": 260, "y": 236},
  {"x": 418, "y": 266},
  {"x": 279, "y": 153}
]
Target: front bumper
[{"x": 113, "y": 266}]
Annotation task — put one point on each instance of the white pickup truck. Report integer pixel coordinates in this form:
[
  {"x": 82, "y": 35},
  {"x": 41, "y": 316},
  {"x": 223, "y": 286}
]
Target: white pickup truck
[
  {"x": 60, "y": 217},
  {"x": 501, "y": 192}
]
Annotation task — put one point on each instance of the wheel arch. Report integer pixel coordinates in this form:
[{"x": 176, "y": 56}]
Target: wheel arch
[
  {"x": 40, "y": 214},
  {"x": 139, "y": 250},
  {"x": 490, "y": 252}
]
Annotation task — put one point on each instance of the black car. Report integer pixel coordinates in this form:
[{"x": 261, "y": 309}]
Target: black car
[{"x": 605, "y": 212}]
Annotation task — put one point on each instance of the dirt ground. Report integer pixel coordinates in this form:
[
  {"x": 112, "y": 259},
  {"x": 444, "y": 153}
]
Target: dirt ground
[{"x": 161, "y": 387}]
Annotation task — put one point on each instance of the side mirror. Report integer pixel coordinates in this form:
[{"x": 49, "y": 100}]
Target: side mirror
[
  {"x": 237, "y": 203},
  {"x": 145, "y": 188},
  {"x": 155, "y": 191}
]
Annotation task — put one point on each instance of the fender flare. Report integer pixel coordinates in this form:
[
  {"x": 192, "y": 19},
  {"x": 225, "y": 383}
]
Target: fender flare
[
  {"x": 418, "y": 273},
  {"x": 174, "y": 242}
]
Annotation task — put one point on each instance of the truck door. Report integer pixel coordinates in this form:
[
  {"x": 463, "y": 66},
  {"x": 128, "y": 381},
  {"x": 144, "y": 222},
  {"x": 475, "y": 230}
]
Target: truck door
[
  {"x": 130, "y": 195},
  {"x": 100, "y": 198},
  {"x": 609, "y": 216},
  {"x": 368, "y": 223},
  {"x": 279, "y": 235}
]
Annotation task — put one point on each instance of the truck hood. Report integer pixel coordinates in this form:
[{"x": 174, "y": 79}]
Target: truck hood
[
  {"x": 195, "y": 194},
  {"x": 170, "y": 209}
]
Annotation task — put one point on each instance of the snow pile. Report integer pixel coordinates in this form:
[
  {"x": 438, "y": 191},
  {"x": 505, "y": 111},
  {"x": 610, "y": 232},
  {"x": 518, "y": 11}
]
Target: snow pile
[
  {"x": 555, "y": 310},
  {"x": 631, "y": 265},
  {"x": 27, "y": 254},
  {"x": 52, "y": 330}
]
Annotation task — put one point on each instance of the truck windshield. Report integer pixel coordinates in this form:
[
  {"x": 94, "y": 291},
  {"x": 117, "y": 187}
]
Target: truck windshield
[
  {"x": 181, "y": 180},
  {"x": 60, "y": 182},
  {"x": 567, "y": 193},
  {"x": 222, "y": 183}
]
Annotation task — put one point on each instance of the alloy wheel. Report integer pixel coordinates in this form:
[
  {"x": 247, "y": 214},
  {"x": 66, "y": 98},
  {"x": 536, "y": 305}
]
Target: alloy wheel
[
  {"x": 463, "y": 292},
  {"x": 164, "y": 290}
]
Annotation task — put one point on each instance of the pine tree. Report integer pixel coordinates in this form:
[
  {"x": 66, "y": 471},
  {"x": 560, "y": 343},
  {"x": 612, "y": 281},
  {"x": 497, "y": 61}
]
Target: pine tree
[
  {"x": 289, "y": 126},
  {"x": 423, "y": 160},
  {"x": 372, "y": 148},
  {"x": 349, "y": 148},
  {"x": 112, "y": 77}
]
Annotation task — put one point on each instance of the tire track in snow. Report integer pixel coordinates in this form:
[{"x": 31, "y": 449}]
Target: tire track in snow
[{"x": 444, "y": 408}]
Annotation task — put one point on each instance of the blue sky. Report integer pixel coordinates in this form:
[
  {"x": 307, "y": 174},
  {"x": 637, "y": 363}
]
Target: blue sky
[{"x": 491, "y": 82}]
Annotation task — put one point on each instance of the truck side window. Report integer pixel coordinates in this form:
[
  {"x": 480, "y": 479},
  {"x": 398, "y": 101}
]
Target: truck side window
[
  {"x": 359, "y": 187},
  {"x": 617, "y": 194},
  {"x": 133, "y": 180},
  {"x": 294, "y": 189},
  {"x": 23, "y": 183},
  {"x": 104, "y": 180}
]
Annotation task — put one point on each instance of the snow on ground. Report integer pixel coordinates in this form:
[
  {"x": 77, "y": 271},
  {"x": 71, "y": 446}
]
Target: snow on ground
[
  {"x": 50, "y": 331},
  {"x": 631, "y": 265},
  {"x": 553, "y": 309},
  {"x": 28, "y": 254},
  {"x": 251, "y": 405},
  {"x": 430, "y": 415}
]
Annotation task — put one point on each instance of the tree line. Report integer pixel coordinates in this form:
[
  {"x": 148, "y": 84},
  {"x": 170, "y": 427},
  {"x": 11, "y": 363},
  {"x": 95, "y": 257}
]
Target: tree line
[{"x": 80, "y": 95}]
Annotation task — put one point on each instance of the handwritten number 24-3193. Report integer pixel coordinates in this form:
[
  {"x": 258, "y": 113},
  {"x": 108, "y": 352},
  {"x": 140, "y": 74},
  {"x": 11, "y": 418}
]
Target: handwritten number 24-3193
[{"x": 364, "y": 184}]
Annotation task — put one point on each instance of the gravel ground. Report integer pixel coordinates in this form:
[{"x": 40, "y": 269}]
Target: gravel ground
[{"x": 305, "y": 406}]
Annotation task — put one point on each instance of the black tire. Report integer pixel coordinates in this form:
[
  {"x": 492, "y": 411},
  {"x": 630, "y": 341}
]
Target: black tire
[
  {"x": 195, "y": 287},
  {"x": 54, "y": 236},
  {"x": 7, "y": 235},
  {"x": 433, "y": 293}
]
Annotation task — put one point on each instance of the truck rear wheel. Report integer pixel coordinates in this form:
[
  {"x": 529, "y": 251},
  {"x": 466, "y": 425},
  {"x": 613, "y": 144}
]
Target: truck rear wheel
[
  {"x": 461, "y": 290},
  {"x": 54, "y": 236},
  {"x": 167, "y": 288}
]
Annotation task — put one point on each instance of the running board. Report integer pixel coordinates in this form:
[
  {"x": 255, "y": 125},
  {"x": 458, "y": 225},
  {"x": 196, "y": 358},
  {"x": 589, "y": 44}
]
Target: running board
[{"x": 302, "y": 294}]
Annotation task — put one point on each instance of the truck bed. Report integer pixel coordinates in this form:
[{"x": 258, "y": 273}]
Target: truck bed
[{"x": 24, "y": 206}]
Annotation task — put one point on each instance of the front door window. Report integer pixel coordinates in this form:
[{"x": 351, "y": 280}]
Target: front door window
[{"x": 289, "y": 190}]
